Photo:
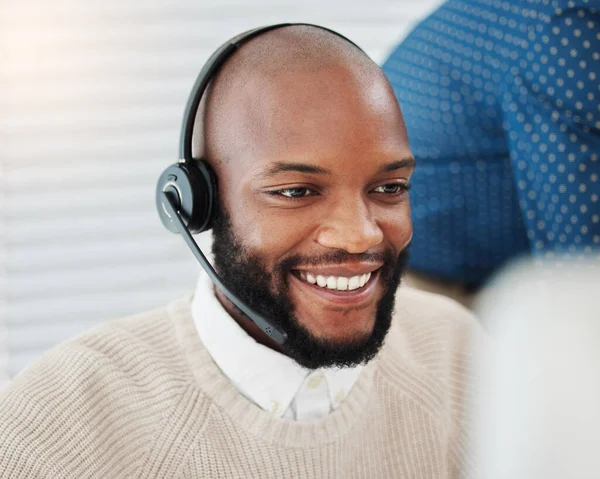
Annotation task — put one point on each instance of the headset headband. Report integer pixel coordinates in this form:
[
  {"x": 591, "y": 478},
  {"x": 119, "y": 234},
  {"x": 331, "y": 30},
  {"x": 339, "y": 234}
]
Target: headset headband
[{"x": 208, "y": 71}]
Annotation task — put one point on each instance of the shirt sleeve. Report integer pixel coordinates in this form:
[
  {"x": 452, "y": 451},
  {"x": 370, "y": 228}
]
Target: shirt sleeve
[{"x": 552, "y": 123}]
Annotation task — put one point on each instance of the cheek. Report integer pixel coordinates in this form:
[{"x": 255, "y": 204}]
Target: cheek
[
  {"x": 273, "y": 235},
  {"x": 397, "y": 227},
  {"x": 270, "y": 232}
]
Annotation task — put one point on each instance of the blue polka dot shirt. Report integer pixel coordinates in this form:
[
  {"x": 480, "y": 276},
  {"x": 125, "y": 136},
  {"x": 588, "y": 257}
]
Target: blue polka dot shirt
[{"x": 502, "y": 104}]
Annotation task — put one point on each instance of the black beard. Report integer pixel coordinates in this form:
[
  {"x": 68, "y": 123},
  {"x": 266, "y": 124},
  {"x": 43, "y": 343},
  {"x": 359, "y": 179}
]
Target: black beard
[{"x": 245, "y": 275}]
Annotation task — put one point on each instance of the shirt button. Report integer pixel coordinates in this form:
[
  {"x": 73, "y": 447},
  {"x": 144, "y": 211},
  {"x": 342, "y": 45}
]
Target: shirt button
[
  {"x": 315, "y": 381},
  {"x": 340, "y": 396},
  {"x": 275, "y": 407}
]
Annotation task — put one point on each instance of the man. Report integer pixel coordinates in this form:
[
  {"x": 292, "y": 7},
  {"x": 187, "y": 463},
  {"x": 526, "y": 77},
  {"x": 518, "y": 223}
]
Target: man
[
  {"x": 313, "y": 166},
  {"x": 501, "y": 105}
]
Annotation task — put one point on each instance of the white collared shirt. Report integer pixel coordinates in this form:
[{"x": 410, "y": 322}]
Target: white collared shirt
[{"x": 266, "y": 377}]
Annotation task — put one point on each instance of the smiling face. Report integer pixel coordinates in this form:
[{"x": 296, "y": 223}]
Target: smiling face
[{"x": 313, "y": 171}]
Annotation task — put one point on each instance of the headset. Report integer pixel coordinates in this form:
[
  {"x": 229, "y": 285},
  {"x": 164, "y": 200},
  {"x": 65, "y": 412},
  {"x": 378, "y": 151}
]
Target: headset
[{"x": 186, "y": 193}]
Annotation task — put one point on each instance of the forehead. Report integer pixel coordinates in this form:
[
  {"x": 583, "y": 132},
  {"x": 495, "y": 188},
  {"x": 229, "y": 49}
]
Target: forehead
[{"x": 328, "y": 118}]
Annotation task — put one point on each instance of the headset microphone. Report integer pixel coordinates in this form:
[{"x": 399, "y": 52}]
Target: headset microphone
[
  {"x": 271, "y": 330},
  {"x": 186, "y": 193}
]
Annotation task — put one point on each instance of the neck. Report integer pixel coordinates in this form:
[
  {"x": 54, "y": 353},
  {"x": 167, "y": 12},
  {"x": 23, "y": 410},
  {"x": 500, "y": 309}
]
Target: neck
[{"x": 247, "y": 324}]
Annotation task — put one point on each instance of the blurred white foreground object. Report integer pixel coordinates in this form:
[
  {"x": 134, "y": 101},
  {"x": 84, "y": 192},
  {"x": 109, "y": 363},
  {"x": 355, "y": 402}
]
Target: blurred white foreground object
[{"x": 540, "y": 417}]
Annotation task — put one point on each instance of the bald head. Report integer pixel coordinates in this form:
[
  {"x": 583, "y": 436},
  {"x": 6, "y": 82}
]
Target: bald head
[{"x": 280, "y": 82}]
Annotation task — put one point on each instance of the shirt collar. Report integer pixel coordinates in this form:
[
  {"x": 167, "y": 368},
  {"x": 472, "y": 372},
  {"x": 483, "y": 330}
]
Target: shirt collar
[{"x": 264, "y": 376}]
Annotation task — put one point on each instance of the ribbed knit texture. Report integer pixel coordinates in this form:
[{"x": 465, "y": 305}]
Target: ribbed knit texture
[{"x": 141, "y": 398}]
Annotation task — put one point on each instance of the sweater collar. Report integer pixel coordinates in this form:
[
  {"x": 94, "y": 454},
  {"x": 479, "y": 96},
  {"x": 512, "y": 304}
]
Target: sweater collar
[
  {"x": 266, "y": 377},
  {"x": 211, "y": 381}
]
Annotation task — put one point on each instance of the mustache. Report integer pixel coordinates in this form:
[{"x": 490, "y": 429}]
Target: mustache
[{"x": 337, "y": 257}]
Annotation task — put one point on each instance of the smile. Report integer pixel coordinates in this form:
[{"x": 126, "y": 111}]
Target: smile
[
  {"x": 338, "y": 283},
  {"x": 343, "y": 287}
]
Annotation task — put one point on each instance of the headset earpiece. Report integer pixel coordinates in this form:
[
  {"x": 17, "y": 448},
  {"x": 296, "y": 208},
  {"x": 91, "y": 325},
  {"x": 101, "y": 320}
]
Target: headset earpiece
[{"x": 193, "y": 188}]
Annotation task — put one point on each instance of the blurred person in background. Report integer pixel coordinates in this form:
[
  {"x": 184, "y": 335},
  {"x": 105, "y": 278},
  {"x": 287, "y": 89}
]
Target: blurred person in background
[
  {"x": 501, "y": 102},
  {"x": 312, "y": 226},
  {"x": 537, "y": 401}
]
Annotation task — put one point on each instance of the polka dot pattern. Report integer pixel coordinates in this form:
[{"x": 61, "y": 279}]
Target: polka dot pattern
[{"x": 502, "y": 104}]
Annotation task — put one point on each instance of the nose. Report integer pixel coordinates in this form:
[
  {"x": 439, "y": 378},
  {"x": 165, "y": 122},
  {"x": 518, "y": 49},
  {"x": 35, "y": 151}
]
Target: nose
[{"x": 349, "y": 225}]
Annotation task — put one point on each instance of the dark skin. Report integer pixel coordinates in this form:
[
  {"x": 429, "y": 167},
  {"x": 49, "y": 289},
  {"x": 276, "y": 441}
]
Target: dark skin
[{"x": 311, "y": 159}]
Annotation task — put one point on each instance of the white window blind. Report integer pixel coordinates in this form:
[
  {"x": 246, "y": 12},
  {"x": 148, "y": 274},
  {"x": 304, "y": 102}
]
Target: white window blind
[{"x": 91, "y": 99}]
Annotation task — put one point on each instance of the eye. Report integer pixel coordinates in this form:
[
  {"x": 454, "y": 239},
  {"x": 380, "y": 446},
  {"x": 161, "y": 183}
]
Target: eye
[
  {"x": 392, "y": 189},
  {"x": 293, "y": 193}
]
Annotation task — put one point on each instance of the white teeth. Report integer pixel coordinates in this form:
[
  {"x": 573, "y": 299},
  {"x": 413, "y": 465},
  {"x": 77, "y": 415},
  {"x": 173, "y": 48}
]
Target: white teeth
[
  {"x": 354, "y": 282},
  {"x": 339, "y": 283}
]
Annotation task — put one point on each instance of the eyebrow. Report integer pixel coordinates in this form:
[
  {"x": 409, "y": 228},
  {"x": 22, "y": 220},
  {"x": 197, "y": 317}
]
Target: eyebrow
[
  {"x": 282, "y": 167},
  {"x": 298, "y": 167},
  {"x": 398, "y": 165}
]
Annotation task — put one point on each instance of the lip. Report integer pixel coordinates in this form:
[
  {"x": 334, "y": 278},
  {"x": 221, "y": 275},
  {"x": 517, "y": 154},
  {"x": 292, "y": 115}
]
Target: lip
[{"x": 354, "y": 297}]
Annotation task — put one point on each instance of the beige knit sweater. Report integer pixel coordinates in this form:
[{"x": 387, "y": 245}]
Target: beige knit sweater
[{"x": 141, "y": 398}]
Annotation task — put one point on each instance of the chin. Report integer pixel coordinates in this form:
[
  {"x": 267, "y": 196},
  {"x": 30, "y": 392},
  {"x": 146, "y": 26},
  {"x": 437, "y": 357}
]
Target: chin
[{"x": 340, "y": 326}]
